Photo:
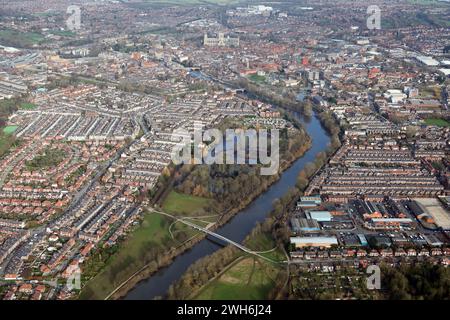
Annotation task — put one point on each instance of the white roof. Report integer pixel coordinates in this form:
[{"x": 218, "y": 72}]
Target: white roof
[
  {"x": 305, "y": 240},
  {"x": 428, "y": 60}
]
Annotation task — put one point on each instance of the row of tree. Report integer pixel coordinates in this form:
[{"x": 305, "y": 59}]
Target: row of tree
[{"x": 419, "y": 282}]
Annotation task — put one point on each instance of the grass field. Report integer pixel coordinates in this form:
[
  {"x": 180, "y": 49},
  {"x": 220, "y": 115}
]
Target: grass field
[
  {"x": 257, "y": 78},
  {"x": 27, "y": 106},
  {"x": 182, "y": 204},
  {"x": 264, "y": 243},
  {"x": 437, "y": 122},
  {"x": 47, "y": 13},
  {"x": 153, "y": 232},
  {"x": 63, "y": 33},
  {"x": 182, "y": 232},
  {"x": 9, "y": 129},
  {"x": 248, "y": 279},
  {"x": 20, "y": 39},
  {"x": 153, "y": 229}
]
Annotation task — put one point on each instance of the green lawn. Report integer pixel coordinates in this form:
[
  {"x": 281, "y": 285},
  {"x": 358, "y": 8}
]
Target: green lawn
[
  {"x": 47, "y": 13},
  {"x": 153, "y": 229},
  {"x": 183, "y": 204},
  {"x": 249, "y": 279},
  {"x": 257, "y": 78},
  {"x": 63, "y": 33},
  {"x": 10, "y": 129},
  {"x": 437, "y": 122},
  {"x": 130, "y": 256},
  {"x": 182, "y": 232},
  {"x": 19, "y": 38},
  {"x": 264, "y": 242},
  {"x": 27, "y": 106}
]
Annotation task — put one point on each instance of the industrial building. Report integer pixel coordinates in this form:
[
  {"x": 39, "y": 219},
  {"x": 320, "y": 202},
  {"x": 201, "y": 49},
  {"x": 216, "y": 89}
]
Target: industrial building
[{"x": 321, "y": 242}]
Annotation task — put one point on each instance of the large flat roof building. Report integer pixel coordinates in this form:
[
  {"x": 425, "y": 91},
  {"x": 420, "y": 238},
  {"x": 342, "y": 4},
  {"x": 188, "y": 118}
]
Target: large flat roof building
[
  {"x": 320, "y": 216},
  {"x": 322, "y": 242}
]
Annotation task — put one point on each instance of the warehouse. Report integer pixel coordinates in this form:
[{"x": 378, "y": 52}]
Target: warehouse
[
  {"x": 321, "y": 242},
  {"x": 304, "y": 225},
  {"x": 320, "y": 216}
]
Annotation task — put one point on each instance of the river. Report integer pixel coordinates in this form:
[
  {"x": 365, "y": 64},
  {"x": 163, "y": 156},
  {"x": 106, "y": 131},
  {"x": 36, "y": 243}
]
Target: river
[{"x": 239, "y": 226}]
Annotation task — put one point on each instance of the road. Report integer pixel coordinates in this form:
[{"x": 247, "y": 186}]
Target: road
[{"x": 75, "y": 203}]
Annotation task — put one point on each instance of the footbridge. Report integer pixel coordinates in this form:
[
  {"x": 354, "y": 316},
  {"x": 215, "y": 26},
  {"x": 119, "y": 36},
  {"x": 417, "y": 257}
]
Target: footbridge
[{"x": 215, "y": 235}]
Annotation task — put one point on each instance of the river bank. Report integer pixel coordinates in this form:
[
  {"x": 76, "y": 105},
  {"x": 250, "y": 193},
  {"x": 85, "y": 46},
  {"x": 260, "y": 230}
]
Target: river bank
[
  {"x": 240, "y": 225},
  {"x": 107, "y": 285},
  {"x": 146, "y": 272}
]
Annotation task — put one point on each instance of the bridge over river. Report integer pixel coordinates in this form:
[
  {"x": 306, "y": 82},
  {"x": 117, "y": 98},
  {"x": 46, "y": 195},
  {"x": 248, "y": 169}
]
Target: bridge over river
[{"x": 215, "y": 235}]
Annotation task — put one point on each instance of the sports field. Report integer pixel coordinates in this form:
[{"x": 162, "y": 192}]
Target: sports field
[
  {"x": 248, "y": 279},
  {"x": 10, "y": 129},
  {"x": 437, "y": 122},
  {"x": 183, "y": 204}
]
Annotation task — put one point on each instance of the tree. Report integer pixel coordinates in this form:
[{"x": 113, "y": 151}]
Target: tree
[
  {"x": 307, "y": 109},
  {"x": 411, "y": 131}
]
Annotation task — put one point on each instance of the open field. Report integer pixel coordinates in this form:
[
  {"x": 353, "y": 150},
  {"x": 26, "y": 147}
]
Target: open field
[
  {"x": 153, "y": 232},
  {"x": 47, "y": 13},
  {"x": 265, "y": 244},
  {"x": 63, "y": 33},
  {"x": 257, "y": 78},
  {"x": 27, "y": 106},
  {"x": 437, "y": 122},
  {"x": 20, "y": 39},
  {"x": 249, "y": 279},
  {"x": 185, "y": 205},
  {"x": 9, "y": 129},
  {"x": 182, "y": 232}
]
